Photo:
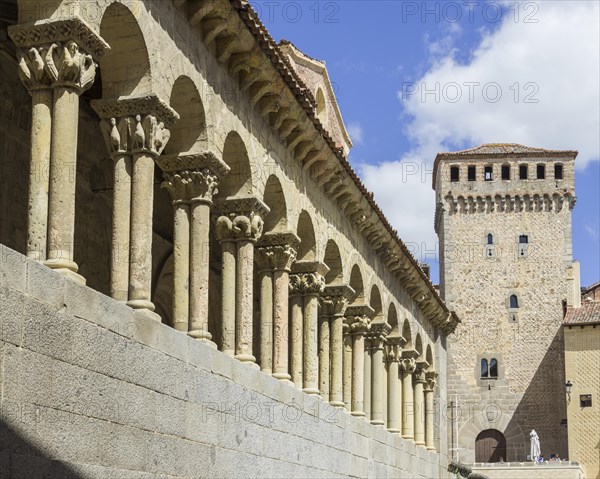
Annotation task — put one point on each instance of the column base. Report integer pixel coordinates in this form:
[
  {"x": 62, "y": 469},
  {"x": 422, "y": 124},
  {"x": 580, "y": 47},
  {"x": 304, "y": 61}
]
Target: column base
[
  {"x": 420, "y": 443},
  {"x": 337, "y": 404},
  {"x": 202, "y": 337},
  {"x": 377, "y": 422},
  {"x": 229, "y": 352},
  {"x": 146, "y": 313},
  {"x": 141, "y": 304},
  {"x": 408, "y": 438},
  {"x": 357, "y": 413},
  {"x": 312, "y": 391},
  {"x": 282, "y": 376},
  {"x": 247, "y": 358},
  {"x": 394, "y": 431},
  {"x": 431, "y": 449}
]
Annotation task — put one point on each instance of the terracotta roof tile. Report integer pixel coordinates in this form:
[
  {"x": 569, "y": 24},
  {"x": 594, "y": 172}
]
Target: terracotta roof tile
[{"x": 589, "y": 313}]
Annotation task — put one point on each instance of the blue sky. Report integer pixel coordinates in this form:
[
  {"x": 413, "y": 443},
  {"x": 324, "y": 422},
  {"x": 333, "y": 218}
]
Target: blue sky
[{"x": 541, "y": 57}]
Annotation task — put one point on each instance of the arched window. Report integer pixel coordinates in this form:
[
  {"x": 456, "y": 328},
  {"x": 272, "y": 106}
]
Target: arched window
[
  {"x": 514, "y": 301},
  {"x": 484, "y": 368},
  {"x": 490, "y": 238},
  {"x": 493, "y": 368}
]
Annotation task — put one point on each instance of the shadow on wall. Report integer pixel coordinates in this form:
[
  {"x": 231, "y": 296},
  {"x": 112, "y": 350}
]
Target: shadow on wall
[
  {"x": 543, "y": 405},
  {"x": 20, "y": 459}
]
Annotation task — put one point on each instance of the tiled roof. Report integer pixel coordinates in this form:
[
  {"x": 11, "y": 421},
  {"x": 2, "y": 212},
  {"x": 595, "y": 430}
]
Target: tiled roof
[
  {"x": 589, "y": 313},
  {"x": 500, "y": 150}
]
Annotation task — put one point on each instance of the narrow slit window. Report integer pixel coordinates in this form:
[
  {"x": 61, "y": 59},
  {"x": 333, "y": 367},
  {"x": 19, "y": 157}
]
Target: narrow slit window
[
  {"x": 514, "y": 301},
  {"x": 484, "y": 368},
  {"x": 472, "y": 173},
  {"x": 506, "y": 172},
  {"x": 488, "y": 173},
  {"x": 490, "y": 239},
  {"x": 541, "y": 172},
  {"x": 454, "y": 174},
  {"x": 493, "y": 368},
  {"x": 523, "y": 172},
  {"x": 558, "y": 172}
]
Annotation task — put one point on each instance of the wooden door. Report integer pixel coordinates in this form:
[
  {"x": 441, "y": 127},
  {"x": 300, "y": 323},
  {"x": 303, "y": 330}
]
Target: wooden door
[{"x": 490, "y": 446}]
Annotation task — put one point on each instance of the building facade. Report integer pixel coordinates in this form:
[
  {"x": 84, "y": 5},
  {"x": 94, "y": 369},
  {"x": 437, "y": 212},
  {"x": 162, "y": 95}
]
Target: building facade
[
  {"x": 504, "y": 224},
  {"x": 582, "y": 370},
  {"x": 167, "y": 166}
]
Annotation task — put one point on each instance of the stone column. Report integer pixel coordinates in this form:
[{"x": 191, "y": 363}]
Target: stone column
[
  {"x": 407, "y": 368},
  {"x": 358, "y": 320},
  {"x": 393, "y": 356},
  {"x": 240, "y": 220},
  {"x": 347, "y": 367},
  {"x": 278, "y": 252},
  {"x": 308, "y": 277},
  {"x": 296, "y": 327},
  {"x": 334, "y": 302},
  {"x": 61, "y": 53},
  {"x": 265, "y": 275},
  {"x": 368, "y": 380},
  {"x": 419, "y": 398},
  {"x": 324, "y": 354},
  {"x": 430, "y": 377},
  {"x": 377, "y": 337},
  {"x": 192, "y": 180}
]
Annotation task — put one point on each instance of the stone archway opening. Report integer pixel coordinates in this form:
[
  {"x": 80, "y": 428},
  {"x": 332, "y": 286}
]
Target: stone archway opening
[{"x": 490, "y": 446}]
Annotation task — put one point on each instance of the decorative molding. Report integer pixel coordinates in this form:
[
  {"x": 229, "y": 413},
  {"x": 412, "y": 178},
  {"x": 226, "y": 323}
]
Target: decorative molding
[
  {"x": 191, "y": 186},
  {"x": 47, "y": 32},
  {"x": 461, "y": 204},
  {"x": 32, "y": 68},
  {"x": 240, "y": 218},
  {"x": 306, "y": 283},
  {"x": 310, "y": 267},
  {"x": 335, "y": 298},
  {"x": 408, "y": 361},
  {"x": 276, "y": 257},
  {"x": 143, "y": 105},
  {"x": 202, "y": 160},
  {"x": 430, "y": 380}
]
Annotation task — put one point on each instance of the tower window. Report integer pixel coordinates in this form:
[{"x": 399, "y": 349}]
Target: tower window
[
  {"x": 490, "y": 239},
  {"x": 523, "y": 172},
  {"x": 558, "y": 171},
  {"x": 454, "y": 173},
  {"x": 493, "y": 368},
  {"x": 506, "y": 172},
  {"x": 585, "y": 400},
  {"x": 514, "y": 301},
  {"x": 523, "y": 239},
  {"x": 472, "y": 172},
  {"x": 484, "y": 368},
  {"x": 541, "y": 172},
  {"x": 488, "y": 174}
]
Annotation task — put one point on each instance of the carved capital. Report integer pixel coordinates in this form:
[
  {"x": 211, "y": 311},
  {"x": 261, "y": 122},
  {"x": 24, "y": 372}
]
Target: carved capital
[
  {"x": 240, "y": 219},
  {"x": 408, "y": 361},
  {"x": 306, "y": 284},
  {"x": 393, "y": 348},
  {"x": 136, "y": 124},
  {"x": 430, "y": 380},
  {"x": 32, "y": 68},
  {"x": 377, "y": 335},
  {"x": 335, "y": 299},
  {"x": 358, "y": 318},
  {"x": 420, "y": 371},
  {"x": 189, "y": 186}
]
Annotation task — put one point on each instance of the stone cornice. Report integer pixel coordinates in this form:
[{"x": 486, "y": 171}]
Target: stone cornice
[
  {"x": 527, "y": 202},
  {"x": 46, "y": 32}
]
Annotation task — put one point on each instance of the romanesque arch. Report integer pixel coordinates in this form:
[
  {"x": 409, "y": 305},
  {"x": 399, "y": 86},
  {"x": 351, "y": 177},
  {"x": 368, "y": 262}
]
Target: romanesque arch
[
  {"x": 274, "y": 198},
  {"x": 188, "y": 134},
  {"x": 392, "y": 319},
  {"x": 375, "y": 303},
  {"x": 357, "y": 284},
  {"x": 429, "y": 357},
  {"x": 307, "y": 249},
  {"x": 238, "y": 182},
  {"x": 125, "y": 68},
  {"x": 333, "y": 260},
  {"x": 407, "y": 334},
  {"x": 419, "y": 345}
]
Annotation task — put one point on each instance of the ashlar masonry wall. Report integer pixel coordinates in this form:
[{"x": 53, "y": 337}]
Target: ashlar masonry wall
[{"x": 88, "y": 389}]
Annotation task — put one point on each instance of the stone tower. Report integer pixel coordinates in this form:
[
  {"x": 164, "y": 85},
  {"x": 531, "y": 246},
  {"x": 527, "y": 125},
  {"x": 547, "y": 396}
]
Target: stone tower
[{"x": 503, "y": 219}]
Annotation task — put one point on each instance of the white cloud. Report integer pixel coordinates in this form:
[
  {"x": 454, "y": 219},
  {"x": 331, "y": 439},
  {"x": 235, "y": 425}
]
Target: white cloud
[
  {"x": 547, "y": 74},
  {"x": 356, "y": 133}
]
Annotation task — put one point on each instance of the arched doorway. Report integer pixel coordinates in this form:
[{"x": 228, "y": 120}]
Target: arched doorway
[{"x": 490, "y": 446}]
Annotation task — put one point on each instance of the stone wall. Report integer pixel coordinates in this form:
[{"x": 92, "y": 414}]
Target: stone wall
[
  {"x": 547, "y": 470},
  {"x": 582, "y": 360},
  {"x": 90, "y": 389}
]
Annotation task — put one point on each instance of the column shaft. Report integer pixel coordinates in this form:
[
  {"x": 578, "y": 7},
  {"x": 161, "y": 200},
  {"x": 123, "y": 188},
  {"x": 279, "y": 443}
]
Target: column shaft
[
  {"x": 393, "y": 390},
  {"x": 358, "y": 374},
  {"x": 266, "y": 322},
  {"x": 311, "y": 359},
  {"x": 337, "y": 359},
  {"x": 347, "y": 372},
  {"x": 377, "y": 385},
  {"x": 181, "y": 267},
  {"x": 228, "y": 297},
  {"x": 244, "y": 301},
  {"x": 39, "y": 167},
  {"x": 429, "y": 417},
  {"x": 367, "y": 378},
  {"x": 142, "y": 196},
  {"x": 408, "y": 421},
  {"x": 121, "y": 217},
  {"x": 281, "y": 284},
  {"x": 63, "y": 172},
  {"x": 297, "y": 304},
  {"x": 419, "y": 414},
  {"x": 199, "y": 270},
  {"x": 324, "y": 357}
]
